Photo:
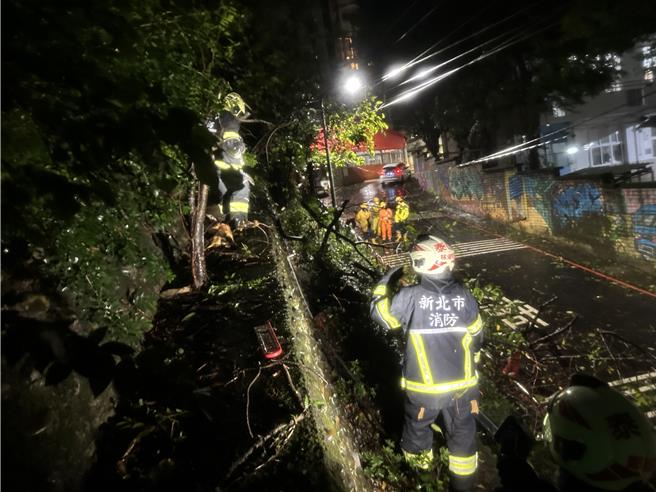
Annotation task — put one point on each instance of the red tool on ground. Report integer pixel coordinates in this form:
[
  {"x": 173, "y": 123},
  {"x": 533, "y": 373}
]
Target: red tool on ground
[{"x": 266, "y": 336}]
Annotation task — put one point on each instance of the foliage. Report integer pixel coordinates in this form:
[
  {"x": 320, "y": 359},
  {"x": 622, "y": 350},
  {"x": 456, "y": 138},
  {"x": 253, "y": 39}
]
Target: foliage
[
  {"x": 102, "y": 116},
  {"x": 350, "y": 131}
]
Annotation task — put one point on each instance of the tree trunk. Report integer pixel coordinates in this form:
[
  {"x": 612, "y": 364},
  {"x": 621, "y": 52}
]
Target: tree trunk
[{"x": 198, "y": 268}]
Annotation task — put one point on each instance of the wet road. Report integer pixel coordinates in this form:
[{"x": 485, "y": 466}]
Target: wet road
[{"x": 535, "y": 279}]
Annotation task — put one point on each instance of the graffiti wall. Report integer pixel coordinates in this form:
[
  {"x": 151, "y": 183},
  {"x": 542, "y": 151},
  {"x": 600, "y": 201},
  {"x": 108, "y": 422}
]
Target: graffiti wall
[{"x": 614, "y": 221}]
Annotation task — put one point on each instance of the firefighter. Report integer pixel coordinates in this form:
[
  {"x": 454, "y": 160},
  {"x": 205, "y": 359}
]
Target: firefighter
[
  {"x": 362, "y": 218},
  {"x": 401, "y": 214},
  {"x": 599, "y": 438},
  {"x": 443, "y": 333},
  {"x": 375, "y": 210},
  {"x": 233, "y": 184},
  {"x": 385, "y": 222}
]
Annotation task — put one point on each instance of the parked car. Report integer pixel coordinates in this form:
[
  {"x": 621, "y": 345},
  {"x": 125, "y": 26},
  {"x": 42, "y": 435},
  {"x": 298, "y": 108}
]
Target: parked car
[
  {"x": 644, "y": 228},
  {"x": 394, "y": 173}
]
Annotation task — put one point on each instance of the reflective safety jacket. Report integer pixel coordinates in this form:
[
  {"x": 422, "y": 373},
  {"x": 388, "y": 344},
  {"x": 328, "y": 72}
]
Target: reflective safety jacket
[
  {"x": 362, "y": 219},
  {"x": 443, "y": 331},
  {"x": 402, "y": 212}
]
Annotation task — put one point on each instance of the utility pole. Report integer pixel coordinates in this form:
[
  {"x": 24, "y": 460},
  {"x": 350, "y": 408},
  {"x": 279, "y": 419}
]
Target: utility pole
[{"x": 330, "y": 166}]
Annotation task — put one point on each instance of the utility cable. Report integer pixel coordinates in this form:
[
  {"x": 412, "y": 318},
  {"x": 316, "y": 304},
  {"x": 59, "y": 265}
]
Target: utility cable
[
  {"x": 423, "y": 18},
  {"x": 527, "y": 145},
  {"x": 411, "y": 92},
  {"x": 419, "y": 59},
  {"x": 425, "y": 72}
]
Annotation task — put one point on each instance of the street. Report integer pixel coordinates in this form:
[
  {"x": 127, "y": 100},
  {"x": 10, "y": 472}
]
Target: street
[{"x": 606, "y": 325}]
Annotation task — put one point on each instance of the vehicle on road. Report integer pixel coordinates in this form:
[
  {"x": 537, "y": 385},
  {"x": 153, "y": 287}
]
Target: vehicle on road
[
  {"x": 644, "y": 228},
  {"x": 394, "y": 173}
]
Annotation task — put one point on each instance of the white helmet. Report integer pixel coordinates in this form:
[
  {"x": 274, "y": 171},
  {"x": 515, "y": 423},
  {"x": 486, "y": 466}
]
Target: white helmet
[
  {"x": 599, "y": 436},
  {"x": 432, "y": 257}
]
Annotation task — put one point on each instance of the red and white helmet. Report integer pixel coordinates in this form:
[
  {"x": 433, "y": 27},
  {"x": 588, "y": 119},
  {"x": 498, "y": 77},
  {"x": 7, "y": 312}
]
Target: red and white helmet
[{"x": 432, "y": 256}]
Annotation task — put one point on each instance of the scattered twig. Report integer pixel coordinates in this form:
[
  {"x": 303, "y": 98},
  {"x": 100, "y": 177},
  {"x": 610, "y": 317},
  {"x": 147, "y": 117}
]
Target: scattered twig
[
  {"x": 293, "y": 387},
  {"x": 539, "y": 311},
  {"x": 121, "y": 465},
  {"x": 284, "y": 234},
  {"x": 338, "y": 302},
  {"x": 248, "y": 401},
  {"x": 264, "y": 440},
  {"x": 610, "y": 352},
  {"x": 628, "y": 342},
  {"x": 555, "y": 333}
]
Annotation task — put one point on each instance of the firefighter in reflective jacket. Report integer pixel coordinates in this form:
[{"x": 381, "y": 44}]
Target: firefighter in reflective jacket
[
  {"x": 401, "y": 214},
  {"x": 443, "y": 331},
  {"x": 375, "y": 209},
  {"x": 385, "y": 222},
  {"x": 233, "y": 184},
  {"x": 362, "y": 218}
]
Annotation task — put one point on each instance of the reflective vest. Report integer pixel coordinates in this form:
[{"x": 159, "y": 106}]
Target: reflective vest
[
  {"x": 443, "y": 330},
  {"x": 402, "y": 212}
]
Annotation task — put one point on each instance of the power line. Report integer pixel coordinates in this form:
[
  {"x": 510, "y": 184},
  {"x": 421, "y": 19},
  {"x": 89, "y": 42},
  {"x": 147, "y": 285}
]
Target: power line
[
  {"x": 527, "y": 145},
  {"x": 415, "y": 90},
  {"x": 419, "y": 59},
  {"x": 423, "y": 18},
  {"x": 475, "y": 48}
]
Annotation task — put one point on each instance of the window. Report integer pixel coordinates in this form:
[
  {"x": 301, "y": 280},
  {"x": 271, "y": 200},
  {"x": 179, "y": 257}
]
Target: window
[
  {"x": 557, "y": 111},
  {"x": 347, "y": 50},
  {"x": 607, "y": 150},
  {"x": 648, "y": 62}
]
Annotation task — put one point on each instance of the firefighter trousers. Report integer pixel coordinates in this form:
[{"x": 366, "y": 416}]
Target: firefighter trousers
[
  {"x": 234, "y": 195},
  {"x": 459, "y": 426},
  {"x": 385, "y": 230}
]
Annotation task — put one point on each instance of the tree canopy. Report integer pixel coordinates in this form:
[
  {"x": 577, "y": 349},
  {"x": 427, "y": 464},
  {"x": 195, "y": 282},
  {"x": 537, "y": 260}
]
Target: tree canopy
[{"x": 104, "y": 113}]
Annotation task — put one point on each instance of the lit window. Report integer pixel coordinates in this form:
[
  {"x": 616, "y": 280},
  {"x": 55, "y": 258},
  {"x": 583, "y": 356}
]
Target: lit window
[
  {"x": 615, "y": 86},
  {"x": 557, "y": 111},
  {"x": 648, "y": 62},
  {"x": 606, "y": 150}
]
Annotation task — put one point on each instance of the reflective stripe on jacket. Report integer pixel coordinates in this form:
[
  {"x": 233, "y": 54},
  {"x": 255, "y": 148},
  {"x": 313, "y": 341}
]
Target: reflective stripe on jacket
[
  {"x": 224, "y": 166},
  {"x": 443, "y": 330}
]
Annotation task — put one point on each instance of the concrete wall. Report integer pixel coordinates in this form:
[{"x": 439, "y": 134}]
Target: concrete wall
[{"x": 615, "y": 222}]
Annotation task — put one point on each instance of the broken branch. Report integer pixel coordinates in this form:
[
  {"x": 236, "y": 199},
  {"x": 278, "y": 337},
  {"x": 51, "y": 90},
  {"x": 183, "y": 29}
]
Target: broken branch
[{"x": 555, "y": 333}]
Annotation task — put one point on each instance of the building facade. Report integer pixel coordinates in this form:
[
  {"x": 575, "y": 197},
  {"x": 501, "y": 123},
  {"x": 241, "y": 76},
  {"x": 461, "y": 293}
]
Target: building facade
[{"x": 612, "y": 132}]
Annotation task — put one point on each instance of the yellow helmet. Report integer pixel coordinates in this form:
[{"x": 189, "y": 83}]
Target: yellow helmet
[
  {"x": 382, "y": 205},
  {"x": 363, "y": 205},
  {"x": 376, "y": 200},
  {"x": 398, "y": 199},
  {"x": 235, "y": 105}
]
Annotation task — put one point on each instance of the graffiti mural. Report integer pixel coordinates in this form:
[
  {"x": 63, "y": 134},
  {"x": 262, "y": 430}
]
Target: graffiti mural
[
  {"x": 644, "y": 228},
  {"x": 616, "y": 222},
  {"x": 515, "y": 194},
  {"x": 573, "y": 202},
  {"x": 495, "y": 197},
  {"x": 466, "y": 183},
  {"x": 537, "y": 191}
]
